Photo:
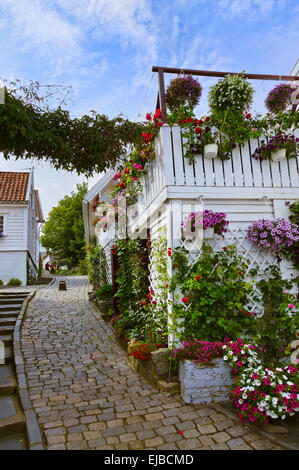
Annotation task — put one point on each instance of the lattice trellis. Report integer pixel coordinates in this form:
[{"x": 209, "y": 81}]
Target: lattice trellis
[
  {"x": 256, "y": 257},
  {"x": 155, "y": 282}
]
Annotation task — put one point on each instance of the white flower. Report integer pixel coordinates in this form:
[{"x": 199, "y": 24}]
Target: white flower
[
  {"x": 244, "y": 396},
  {"x": 225, "y": 358},
  {"x": 274, "y": 401}
]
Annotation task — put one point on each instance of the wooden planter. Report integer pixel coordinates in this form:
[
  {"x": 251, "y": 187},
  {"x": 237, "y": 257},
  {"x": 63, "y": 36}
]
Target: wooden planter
[{"x": 205, "y": 383}]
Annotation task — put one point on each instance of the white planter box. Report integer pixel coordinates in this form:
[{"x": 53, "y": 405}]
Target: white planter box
[
  {"x": 278, "y": 155},
  {"x": 210, "y": 151},
  {"x": 204, "y": 384}
]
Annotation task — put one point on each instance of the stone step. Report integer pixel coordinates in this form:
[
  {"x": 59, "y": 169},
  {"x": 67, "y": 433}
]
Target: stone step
[
  {"x": 12, "y": 306},
  {"x": 16, "y": 442},
  {"x": 7, "y": 380},
  {"x": 6, "y": 301},
  {"x": 7, "y": 321},
  {"x": 9, "y": 313},
  {"x": 7, "y": 339},
  {"x": 12, "y": 420},
  {"x": 12, "y": 294},
  {"x": 8, "y": 354},
  {"x": 6, "y": 329}
]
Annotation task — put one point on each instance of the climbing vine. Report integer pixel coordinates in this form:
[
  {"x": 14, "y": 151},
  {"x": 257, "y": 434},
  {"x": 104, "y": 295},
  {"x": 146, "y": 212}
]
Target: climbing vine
[
  {"x": 92, "y": 143},
  {"x": 97, "y": 266}
]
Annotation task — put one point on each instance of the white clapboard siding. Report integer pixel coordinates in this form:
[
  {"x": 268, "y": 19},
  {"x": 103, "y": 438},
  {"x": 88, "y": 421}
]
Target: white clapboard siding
[{"x": 15, "y": 233}]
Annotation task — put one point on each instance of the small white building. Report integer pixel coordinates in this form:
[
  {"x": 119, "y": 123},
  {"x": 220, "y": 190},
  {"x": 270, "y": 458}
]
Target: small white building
[{"x": 20, "y": 220}]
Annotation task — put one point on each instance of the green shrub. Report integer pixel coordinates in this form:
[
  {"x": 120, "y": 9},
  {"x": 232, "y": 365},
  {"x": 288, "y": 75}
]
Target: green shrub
[
  {"x": 213, "y": 294},
  {"x": 14, "y": 282},
  {"x": 278, "y": 326},
  {"x": 97, "y": 266},
  {"x": 1, "y": 283},
  {"x": 105, "y": 292}
]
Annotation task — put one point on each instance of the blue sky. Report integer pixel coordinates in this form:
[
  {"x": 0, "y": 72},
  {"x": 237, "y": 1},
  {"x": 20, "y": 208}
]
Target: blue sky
[{"x": 105, "y": 50}]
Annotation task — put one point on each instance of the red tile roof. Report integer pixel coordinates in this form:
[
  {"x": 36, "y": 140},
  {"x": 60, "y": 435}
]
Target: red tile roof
[{"x": 13, "y": 186}]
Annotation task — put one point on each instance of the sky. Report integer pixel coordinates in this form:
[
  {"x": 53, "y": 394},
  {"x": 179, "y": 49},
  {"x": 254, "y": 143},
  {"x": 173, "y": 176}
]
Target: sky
[{"x": 105, "y": 50}]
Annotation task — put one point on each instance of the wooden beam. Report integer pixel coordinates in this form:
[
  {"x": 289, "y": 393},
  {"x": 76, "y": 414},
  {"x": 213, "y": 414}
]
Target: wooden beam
[{"x": 208, "y": 73}]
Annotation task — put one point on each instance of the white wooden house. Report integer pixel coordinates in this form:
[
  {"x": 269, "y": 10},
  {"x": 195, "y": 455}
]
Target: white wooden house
[
  {"x": 20, "y": 220},
  {"x": 242, "y": 187}
]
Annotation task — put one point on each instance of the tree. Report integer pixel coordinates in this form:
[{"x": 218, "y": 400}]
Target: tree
[{"x": 63, "y": 233}]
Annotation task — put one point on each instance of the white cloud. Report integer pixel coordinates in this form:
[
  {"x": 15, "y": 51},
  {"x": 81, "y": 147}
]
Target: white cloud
[{"x": 251, "y": 8}]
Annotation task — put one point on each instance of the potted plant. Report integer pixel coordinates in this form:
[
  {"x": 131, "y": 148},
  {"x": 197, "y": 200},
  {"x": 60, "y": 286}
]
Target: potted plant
[
  {"x": 232, "y": 93},
  {"x": 279, "y": 98},
  {"x": 201, "y": 138},
  {"x": 278, "y": 235},
  {"x": 183, "y": 92},
  {"x": 278, "y": 148},
  {"x": 104, "y": 297},
  {"x": 211, "y": 222}
]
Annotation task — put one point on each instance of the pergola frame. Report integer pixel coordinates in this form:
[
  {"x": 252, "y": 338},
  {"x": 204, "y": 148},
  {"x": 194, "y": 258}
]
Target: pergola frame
[{"x": 161, "y": 99}]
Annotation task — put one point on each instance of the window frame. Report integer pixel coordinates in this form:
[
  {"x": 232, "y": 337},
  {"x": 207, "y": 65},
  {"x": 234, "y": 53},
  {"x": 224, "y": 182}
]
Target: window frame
[{"x": 4, "y": 217}]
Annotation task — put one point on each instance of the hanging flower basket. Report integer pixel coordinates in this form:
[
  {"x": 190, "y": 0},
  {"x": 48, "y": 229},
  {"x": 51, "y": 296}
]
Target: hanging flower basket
[
  {"x": 183, "y": 91},
  {"x": 279, "y": 155},
  {"x": 210, "y": 151},
  {"x": 289, "y": 143},
  {"x": 279, "y": 98},
  {"x": 211, "y": 222}
]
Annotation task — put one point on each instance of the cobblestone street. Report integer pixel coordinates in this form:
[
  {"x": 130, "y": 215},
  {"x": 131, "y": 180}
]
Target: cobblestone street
[{"x": 86, "y": 396}]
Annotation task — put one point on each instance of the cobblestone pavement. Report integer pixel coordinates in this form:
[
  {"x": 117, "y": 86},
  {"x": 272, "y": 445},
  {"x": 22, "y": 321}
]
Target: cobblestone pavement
[{"x": 101, "y": 403}]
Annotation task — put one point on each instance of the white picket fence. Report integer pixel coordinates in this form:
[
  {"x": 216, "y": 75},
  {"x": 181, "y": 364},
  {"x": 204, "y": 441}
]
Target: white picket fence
[{"x": 172, "y": 170}]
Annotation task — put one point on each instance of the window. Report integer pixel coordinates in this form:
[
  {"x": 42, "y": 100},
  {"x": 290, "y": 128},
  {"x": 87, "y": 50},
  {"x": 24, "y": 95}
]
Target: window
[{"x": 2, "y": 225}]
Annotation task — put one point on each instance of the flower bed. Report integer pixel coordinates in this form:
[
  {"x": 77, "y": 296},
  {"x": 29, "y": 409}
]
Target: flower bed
[
  {"x": 153, "y": 365},
  {"x": 261, "y": 392}
]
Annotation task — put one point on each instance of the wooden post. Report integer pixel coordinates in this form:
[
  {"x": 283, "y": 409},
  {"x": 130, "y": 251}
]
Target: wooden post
[{"x": 162, "y": 95}]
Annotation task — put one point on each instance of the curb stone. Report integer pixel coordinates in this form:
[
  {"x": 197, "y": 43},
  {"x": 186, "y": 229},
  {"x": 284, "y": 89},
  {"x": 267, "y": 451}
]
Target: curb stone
[
  {"x": 34, "y": 435},
  {"x": 275, "y": 440}
]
